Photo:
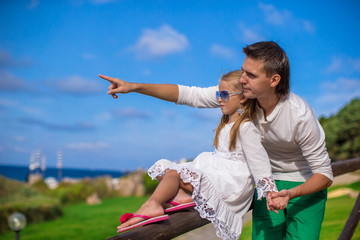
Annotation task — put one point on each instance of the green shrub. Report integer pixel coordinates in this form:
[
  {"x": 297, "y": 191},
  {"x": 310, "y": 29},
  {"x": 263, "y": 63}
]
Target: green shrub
[
  {"x": 150, "y": 184},
  {"x": 78, "y": 192},
  {"x": 18, "y": 197},
  {"x": 34, "y": 214},
  {"x": 101, "y": 188},
  {"x": 41, "y": 186},
  {"x": 72, "y": 193},
  {"x": 13, "y": 190}
]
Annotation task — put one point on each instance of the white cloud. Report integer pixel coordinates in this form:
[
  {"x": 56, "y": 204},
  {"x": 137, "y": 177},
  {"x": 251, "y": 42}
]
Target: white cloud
[
  {"x": 211, "y": 115},
  {"x": 278, "y": 17},
  {"x": 222, "y": 51},
  {"x": 7, "y": 102},
  {"x": 89, "y": 56},
  {"x": 250, "y": 34},
  {"x": 344, "y": 65},
  {"x": 131, "y": 113},
  {"x": 10, "y": 82},
  {"x": 33, "y": 4},
  {"x": 103, "y": 117},
  {"x": 20, "y": 149},
  {"x": 273, "y": 15},
  {"x": 32, "y": 110},
  {"x": 10, "y": 103},
  {"x": 88, "y": 145},
  {"x": 19, "y": 138},
  {"x": 344, "y": 85},
  {"x": 101, "y": 1},
  {"x": 78, "y": 85},
  {"x": 146, "y": 72},
  {"x": 159, "y": 42},
  {"x": 308, "y": 26},
  {"x": 336, "y": 94},
  {"x": 7, "y": 60},
  {"x": 334, "y": 66}
]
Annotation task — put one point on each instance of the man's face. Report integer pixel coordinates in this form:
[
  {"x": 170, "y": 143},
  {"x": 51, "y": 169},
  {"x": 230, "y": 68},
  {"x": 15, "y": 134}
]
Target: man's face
[{"x": 255, "y": 82}]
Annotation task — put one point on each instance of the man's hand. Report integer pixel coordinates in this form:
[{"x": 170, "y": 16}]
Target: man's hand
[
  {"x": 117, "y": 86},
  {"x": 278, "y": 200}
]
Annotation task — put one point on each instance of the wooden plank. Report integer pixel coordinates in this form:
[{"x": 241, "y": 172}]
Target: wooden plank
[
  {"x": 177, "y": 224},
  {"x": 346, "y": 166}
]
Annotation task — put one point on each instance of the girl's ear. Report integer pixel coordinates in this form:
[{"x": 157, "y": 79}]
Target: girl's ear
[{"x": 243, "y": 99}]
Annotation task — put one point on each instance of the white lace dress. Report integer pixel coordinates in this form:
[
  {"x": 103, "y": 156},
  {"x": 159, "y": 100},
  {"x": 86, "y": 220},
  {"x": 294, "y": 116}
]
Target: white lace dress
[{"x": 224, "y": 181}]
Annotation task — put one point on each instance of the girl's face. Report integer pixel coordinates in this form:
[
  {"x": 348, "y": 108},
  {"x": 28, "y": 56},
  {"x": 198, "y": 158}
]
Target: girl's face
[{"x": 232, "y": 106}]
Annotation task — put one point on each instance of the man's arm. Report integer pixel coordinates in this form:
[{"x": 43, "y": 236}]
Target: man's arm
[
  {"x": 317, "y": 182},
  {"x": 167, "y": 92},
  {"x": 311, "y": 139}
]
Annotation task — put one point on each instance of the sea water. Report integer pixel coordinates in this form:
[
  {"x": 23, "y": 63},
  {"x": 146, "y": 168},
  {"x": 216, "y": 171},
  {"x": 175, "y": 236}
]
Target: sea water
[{"x": 21, "y": 172}]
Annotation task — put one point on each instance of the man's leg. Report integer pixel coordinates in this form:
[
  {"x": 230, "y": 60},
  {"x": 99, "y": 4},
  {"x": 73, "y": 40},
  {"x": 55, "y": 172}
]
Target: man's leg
[
  {"x": 305, "y": 215},
  {"x": 267, "y": 225}
]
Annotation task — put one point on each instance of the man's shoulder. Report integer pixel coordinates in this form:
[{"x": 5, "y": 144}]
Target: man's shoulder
[
  {"x": 296, "y": 101},
  {"x": 297, "y": 105}
]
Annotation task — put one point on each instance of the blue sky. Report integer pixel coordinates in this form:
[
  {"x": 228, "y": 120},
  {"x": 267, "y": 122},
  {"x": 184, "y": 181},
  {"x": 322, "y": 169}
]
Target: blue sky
[{"x": 52, "y": 51}]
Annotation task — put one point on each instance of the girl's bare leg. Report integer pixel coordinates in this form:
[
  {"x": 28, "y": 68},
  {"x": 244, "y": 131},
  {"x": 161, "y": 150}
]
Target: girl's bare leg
[
  {"x": 180, "y": 197},
  {"x": 167, "y": 188}
]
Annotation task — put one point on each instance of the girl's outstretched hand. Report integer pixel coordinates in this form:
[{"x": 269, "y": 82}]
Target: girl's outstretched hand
[{"x": 117, "y": 86}]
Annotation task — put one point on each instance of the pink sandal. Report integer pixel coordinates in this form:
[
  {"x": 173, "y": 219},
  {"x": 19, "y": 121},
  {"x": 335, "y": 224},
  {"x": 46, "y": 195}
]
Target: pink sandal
[
  {"x": 179, "y": 207},
  {"x": 148, "y": 220}
]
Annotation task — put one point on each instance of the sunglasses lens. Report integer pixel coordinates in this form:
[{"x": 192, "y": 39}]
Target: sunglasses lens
[{"x": 225, "y": 95}]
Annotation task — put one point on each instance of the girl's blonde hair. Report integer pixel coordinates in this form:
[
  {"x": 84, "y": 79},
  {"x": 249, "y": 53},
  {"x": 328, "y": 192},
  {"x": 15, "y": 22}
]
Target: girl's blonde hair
[{"x": 248, "y": 109}]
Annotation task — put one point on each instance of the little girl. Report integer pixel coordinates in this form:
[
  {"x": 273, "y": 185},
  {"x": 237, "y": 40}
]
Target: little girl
[{"x": 219, "y": 184}]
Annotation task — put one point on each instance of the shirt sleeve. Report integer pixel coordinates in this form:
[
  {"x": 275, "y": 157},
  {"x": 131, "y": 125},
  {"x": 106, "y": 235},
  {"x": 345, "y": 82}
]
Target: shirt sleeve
[
  {"x": 257, "y": 159},
  {"x": 198, "y": 97},
  {"x": 311, "y": 138}
]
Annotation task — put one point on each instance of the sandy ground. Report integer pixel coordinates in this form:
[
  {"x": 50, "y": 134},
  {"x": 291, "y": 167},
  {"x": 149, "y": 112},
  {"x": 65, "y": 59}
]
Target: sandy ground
[
  {"x": 347, "y": 178},
  {"x": 207, "y": 232}
]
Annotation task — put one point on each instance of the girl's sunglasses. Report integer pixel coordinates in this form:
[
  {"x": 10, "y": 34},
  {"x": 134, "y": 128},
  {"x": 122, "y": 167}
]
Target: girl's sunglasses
[{"x": 225, "y": 95}]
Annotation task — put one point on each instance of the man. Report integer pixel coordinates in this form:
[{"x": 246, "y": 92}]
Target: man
[{"x": 291, "y": 135}]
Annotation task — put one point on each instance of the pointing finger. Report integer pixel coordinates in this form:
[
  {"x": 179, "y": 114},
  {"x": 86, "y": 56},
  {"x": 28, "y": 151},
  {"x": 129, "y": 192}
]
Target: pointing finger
[{"x": 110, "y": 79}]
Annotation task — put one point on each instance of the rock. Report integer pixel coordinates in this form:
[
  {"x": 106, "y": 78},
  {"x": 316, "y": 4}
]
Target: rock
[
  {"x": 108, "y": 183},
  {"x": 34, "y": 178},
  {"x": 93, "y": 199},
  {"x": 51, "y": 182},
  {"x": 132, "y": 184}
]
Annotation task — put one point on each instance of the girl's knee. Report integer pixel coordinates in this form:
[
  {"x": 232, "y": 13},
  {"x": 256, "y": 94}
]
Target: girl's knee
[{"x": 171, "y": 172}]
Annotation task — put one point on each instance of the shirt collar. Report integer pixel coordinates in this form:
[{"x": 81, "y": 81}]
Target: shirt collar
[{"x": 273, "y": 114}]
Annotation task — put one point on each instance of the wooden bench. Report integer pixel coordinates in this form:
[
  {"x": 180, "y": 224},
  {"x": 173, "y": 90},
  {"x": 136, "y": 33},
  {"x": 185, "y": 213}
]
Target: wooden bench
[{"x": 185, "y": 221}]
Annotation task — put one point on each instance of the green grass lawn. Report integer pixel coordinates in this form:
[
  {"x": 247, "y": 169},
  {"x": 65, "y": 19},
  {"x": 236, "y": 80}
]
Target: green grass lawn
[{"x": 81, "y": 221}]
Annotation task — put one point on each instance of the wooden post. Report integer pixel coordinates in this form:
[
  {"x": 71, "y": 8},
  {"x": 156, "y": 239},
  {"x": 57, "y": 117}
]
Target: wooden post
[{"x": 352, "y": 222}]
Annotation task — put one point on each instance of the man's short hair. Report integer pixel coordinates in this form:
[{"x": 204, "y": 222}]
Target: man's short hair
[{"x": 275, "y": 62}]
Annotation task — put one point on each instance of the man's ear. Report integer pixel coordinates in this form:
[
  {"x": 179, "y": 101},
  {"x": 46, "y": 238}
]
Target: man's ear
[
  {"x": 275, "y": 79},
  {"x": 243, "y": 99}
]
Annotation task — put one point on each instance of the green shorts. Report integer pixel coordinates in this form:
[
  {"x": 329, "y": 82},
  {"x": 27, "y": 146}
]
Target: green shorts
[{"x": 301, "y": 219}]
